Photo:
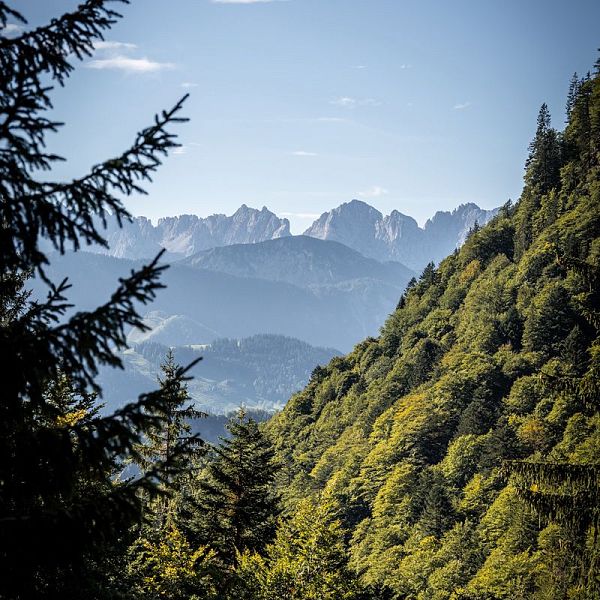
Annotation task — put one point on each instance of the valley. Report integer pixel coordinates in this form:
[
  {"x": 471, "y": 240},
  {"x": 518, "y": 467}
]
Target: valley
[{"x": 245, "y": 277}]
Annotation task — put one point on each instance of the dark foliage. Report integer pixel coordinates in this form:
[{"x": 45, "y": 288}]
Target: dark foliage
[{"x": 60, "y": 506}]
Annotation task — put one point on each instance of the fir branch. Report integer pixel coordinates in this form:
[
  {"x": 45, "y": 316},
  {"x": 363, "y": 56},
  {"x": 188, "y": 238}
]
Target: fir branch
[
  {"x": 66, "y": 213},
  {"x": 6, "y": 12},
  {"x": 46, "y": 49}
]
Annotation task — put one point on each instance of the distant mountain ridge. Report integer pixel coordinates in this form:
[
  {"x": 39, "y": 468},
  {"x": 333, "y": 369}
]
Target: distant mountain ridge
[
  {"x": 299, "y": 260},
  {"x": 356, "y": 224},
  {"x": 188, "y": 234},
  {"x": 396, "y": 236}
]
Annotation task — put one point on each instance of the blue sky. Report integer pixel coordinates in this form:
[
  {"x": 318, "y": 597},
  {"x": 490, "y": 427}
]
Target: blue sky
[{"x": 301, "y": 105}]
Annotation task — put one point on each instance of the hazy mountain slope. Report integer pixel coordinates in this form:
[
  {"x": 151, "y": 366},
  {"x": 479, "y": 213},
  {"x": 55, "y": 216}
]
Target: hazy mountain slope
[
  {"x": 493, "y": 356},
  {"x": 213, "y": 427},
  {"x": 170, "y": 329},
  {"x": 336, "y": 315},
  {"x": 300, "y": 260},
  {"x": 187, "y": 234},
  {"x": 259, "y": 372},
  {"x": 396, "y": 236}
]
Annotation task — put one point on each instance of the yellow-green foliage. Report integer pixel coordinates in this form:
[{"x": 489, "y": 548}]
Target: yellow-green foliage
[
  {"x": 167, "y": 567},
  {"x": 307, "y": 560},
  {"x": 491, "y": 357}
]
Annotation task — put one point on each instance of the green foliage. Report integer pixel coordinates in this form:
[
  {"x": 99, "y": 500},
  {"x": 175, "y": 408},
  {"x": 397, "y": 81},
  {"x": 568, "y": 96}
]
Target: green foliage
[
  {"x": 166, "y": 567},
  {"x": 235, "y": 497},
  {"x": 550, "y": 320},
  {"x": 492, "y": 356},
  {"x": 306, "y": 561},
  {"x": 63, "y": 513}
]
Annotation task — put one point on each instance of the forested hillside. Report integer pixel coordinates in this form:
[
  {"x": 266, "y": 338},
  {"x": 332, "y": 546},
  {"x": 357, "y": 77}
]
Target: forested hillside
[
  {"x": 454, "y": 457},
  {"x": 461, "y": 447},
  {"x": 260, "y": 372}
]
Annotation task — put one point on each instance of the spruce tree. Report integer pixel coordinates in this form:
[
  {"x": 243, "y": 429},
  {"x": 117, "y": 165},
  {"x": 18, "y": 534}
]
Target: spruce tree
[
  {"x": 307, "y": 560},
  {"x": 542, "y": 168},
  {"x": 50, "y": 531},
  {"x": 169, "y": 440},
  {"x": 547, "y": 151},
  {"x": 236, "y": 500},
  {"x": 574, "y": 86}
]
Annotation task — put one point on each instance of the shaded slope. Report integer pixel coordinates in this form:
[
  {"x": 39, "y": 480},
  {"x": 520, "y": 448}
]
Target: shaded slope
[
  {"x": 335, "y": 315},
  {"x": 299, "y": 260}
]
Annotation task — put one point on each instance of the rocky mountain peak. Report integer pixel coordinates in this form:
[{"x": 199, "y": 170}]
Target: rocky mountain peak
[
  {"x": 186, "y": 234},
  {"x": 397, "y": 236}
]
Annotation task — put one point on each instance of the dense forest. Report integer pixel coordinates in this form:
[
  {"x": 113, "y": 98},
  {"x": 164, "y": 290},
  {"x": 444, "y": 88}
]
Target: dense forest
[
  {"x": 461, "y": 447},
  {"x": 259, "y": 372},
  {"x": 454, "y": 457}
]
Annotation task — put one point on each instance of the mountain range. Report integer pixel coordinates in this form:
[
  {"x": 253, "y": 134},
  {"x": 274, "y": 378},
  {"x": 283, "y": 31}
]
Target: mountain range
[
  {"x": 245, "y": 275},
  {"x": 187, "y": 234},
  {"x": 356, "y": 224},
  {"x": 396, "y": 236}
]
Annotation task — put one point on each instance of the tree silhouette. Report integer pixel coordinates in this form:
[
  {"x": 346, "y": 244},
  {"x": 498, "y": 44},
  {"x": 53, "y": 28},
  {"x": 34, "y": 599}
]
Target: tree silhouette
[{"x": 51, "y": 528}]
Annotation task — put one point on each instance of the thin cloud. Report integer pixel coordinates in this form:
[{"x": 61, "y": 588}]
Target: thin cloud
[
  {"x": 189, "y": 84},
  {"x": 243, "y": 1},
  {"x": 11, "y": 29},
  {"x": 301, "y": 215},
  {"x": 115, "y": 55},
  {"x": 349, "y": 102},
  {"x": 304, "y": 153},
  {"x": 129, "y": 65},
  {"x": 374, "y": 191},
  {"x": 180, "y": 150},
  {"x": 359, "y": 67},
  {"x": 332, "y": 120},
  {"x": 112, "y": 45},
  {"x": 461, "y": 106},
  {"x": 406, "y": 66},
  {"x": 344, "y": 101}
]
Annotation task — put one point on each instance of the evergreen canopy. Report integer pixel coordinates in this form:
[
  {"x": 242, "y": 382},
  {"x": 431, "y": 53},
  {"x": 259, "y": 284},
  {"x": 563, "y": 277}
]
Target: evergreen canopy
[{"x": 49, "y": 523}]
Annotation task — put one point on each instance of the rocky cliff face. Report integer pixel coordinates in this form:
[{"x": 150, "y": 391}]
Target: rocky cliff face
[
  {"x": 396, "y": 236},
  {"x": 356, "y": 224},
  {"x": 188, "y": 234}
]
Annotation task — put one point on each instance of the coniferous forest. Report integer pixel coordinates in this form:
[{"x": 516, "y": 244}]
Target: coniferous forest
[{"x": 454, "y": 457}]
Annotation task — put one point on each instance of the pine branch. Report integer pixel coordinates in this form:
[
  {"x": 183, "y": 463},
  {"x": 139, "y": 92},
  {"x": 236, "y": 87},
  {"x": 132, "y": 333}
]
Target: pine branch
[
  {"x": 79, "y": 346},
  {"x": 6, "y": 12},
  {"x": 47, "y": 48},
  {"x": 553, "y": 474},
  {"x": 23, "y": 60},
  {"x": 564, "y": 492},
  {"x": 66, "y": 213},
  {"x": 91, "y": 338}
]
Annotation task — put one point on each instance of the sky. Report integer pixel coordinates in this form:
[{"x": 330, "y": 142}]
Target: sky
[{"x": 301, "y": 105}]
